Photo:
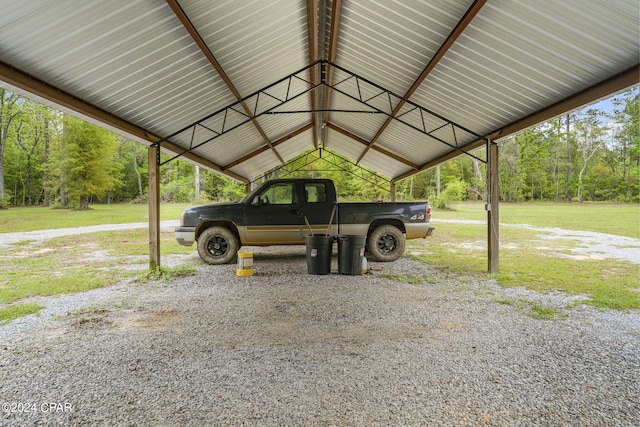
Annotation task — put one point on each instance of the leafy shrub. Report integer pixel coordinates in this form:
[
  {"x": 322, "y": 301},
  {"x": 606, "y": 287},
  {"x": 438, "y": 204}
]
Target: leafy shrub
[{"x": 454, "y": 192}]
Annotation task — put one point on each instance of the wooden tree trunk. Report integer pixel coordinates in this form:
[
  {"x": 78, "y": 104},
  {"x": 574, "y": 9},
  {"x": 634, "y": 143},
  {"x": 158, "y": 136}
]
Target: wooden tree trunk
[
  {"x": 84, "y": 202},
  {"x": 45, "y": 178}
]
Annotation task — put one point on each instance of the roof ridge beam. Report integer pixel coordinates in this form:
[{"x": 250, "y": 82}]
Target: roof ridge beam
[
  {"x": 334, "y": 35},
  {"x": 449, "y": 41},
  {"x": 188, "y": 25},
  {"x": 312, "y": 30}
]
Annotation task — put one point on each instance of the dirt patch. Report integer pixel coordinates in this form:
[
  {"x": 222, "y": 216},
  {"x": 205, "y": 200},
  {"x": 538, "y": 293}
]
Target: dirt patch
[
  {"x": 122, "y": 320},
  {"x": 90, "y": 318},
  {"x": 148, "y": 320}
]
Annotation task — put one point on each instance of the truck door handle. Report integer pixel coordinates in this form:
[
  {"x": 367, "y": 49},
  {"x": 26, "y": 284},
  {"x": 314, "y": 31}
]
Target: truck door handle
[{"x": 294, "y": 211}]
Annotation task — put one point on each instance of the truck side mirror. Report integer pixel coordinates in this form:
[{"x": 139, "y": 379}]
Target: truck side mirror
[{"x": 256, "y": 201}]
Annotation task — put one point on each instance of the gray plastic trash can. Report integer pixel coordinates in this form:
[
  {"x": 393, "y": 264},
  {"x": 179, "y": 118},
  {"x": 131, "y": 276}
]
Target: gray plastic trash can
[
  {"x": 350, "y": 254},
  {"x": 319, "y": 250}
]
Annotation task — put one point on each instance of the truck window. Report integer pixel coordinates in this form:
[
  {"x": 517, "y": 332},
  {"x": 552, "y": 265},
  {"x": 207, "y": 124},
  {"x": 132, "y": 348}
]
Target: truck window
[
  {"x": 282, "y": 193},
  {"x": 315, "y": 192}
]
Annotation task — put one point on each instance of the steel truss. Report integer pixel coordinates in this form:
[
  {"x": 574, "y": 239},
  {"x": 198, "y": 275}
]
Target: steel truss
[
  {"x": 269, "y": 100},
  {"x": 341, "y": 164}
]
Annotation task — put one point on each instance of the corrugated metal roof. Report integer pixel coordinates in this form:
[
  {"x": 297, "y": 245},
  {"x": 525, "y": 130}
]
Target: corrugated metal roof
[
  {"x": 256, "y": 42},
  {"x": 391, "y": 42},
  {"x": 136, "y": 66},
  {"x": 517, "y": 57}
]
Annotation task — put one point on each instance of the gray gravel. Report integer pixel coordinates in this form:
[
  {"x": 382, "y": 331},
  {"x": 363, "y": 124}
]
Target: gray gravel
[{"x": 287, "y": 348}]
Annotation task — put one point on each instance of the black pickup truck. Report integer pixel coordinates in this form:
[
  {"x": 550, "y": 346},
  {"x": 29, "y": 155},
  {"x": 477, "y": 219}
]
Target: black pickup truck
[{"x": 282, "y": 212}]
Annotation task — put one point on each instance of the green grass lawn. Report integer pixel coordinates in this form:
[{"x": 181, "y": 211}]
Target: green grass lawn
[
  {"x": 30, "y": 219},
  {"x": 64, "y": 265},
  {"x": 529, "y": 260},
  {"x": 622, "y": 220}
]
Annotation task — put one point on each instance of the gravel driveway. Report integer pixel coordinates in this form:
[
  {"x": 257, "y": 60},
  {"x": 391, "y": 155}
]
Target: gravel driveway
[{"x": 287, "y": 348}]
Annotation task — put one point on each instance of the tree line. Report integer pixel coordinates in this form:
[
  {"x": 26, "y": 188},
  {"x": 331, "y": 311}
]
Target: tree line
[{"x": 51, "y": 159}]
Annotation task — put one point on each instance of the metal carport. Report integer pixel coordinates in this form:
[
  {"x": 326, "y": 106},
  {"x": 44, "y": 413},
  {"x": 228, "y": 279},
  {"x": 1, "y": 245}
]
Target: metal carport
[{"x": 243, "y": 86}]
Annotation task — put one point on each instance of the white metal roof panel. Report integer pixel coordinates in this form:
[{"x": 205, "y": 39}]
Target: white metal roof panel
[
  {"x": 229, "y": 146},
  {"x": 281, "y": 124},
  {"x": 390, "y": 43},
  {"x": 411, "y": 144},
  {"x": 517, "y": 57},
  {"x": 292, "y": 147},
  {"x": 255, "y": 41},
  {"x": 383, "y": 164},
  {"x": 136, "y": 61}
]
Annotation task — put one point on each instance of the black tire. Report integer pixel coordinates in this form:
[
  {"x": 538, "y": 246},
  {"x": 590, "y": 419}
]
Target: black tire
[
  {"x": 386, "y": 243},
  {"x": 217, "y": 245}
]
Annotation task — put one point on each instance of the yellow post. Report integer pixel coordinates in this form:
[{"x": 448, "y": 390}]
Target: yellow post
[{"x": 245, "y": 264}]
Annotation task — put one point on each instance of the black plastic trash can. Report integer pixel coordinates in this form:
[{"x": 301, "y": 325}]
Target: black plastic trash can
[
  {"x": 319, "y": 250},
  {"x": 350, "y": 254}
]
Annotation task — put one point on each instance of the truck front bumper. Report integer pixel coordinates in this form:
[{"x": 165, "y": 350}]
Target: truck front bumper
[{"x": 185, "y": 235}]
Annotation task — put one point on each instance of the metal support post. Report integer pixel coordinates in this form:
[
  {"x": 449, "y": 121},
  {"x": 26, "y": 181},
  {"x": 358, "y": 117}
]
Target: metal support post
[
  {"x": 493, "y": 218},
  {"x": 154, "y": 208}
]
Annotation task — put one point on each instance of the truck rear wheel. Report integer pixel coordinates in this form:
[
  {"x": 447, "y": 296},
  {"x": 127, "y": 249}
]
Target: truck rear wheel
[
  {"x": 386, "y": 243},
  {"x": 217, "y": 245}
]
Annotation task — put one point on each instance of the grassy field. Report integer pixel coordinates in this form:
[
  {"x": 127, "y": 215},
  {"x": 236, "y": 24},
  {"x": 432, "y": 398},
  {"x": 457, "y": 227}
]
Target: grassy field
[
  {"x": 75, "y": 263},
  {"x": 30, "y": 219},
  {"x": 528, "y": 259},
  {"x": 621, "y": 220},
  {"x": 82, "y": 262}
]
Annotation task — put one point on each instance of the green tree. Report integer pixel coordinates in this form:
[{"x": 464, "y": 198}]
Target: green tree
[
  {"x": 627, "y": 141},
  {"x": 132, "y": 157},
  {"x": 511, "y": 180},
  {"x": 85, "y": 163},
  {"x": 590, "y": 142},
  {"x": 31, "y": 136},
  {"x": 26, "y": 154},
  {"x": 8, "y": 112}
]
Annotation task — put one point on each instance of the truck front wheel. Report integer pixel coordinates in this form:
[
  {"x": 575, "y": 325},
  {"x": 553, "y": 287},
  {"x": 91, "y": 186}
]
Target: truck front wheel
[
  {"x": 217, "y": 245},
  {"x": 386, "y": 243}
]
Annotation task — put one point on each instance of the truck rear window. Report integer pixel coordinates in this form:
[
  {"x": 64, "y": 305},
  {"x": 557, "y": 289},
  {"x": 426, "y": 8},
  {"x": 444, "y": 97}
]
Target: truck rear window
[{"x": 315, "y": 192}]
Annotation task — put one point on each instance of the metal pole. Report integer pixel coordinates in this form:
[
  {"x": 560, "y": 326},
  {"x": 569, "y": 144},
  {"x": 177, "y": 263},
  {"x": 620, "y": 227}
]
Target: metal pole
[
  {"x": 493, "y": 218},
  {"x": 154, "y": 208}
]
